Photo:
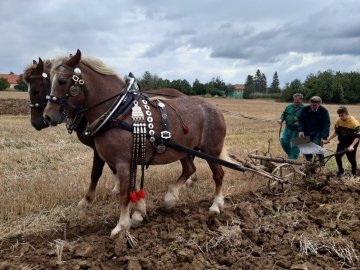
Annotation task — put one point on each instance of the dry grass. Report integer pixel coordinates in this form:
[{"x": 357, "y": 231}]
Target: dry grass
[
  {"x": 44, "y": 174},
  {"x": 14, "y": 94},
  {"x": 334, "y": 244}
]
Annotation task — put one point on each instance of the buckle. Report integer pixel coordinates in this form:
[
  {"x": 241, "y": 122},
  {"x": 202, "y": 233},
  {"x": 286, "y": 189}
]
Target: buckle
[{"x": 165, "y": 134}]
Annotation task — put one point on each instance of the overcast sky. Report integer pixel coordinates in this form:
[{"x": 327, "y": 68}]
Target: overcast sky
[{"x": 187, "y": 39}]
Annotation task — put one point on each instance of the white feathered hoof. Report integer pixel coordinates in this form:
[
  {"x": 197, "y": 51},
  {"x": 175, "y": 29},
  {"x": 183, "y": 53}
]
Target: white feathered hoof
[
  {"x": 217, "y": 206},
  {"x": 84, "y": 203},
  {"x": 115, "y": 231},
  {"x": 170, "y": 200},
  {"x": 116, "y": 190},
  {"x": 140, "y": 206},
  {"x": 119, "y": 228},
  {"x": 136, "y": 220},
  {"x": 189, "y": 182}
]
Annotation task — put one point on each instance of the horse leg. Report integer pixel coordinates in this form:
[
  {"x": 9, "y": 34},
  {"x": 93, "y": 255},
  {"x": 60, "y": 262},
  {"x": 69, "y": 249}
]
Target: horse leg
[
  {"x": 96, "y": 171},
  {"x": 124, "y": 220},
  {"x": 218, "y": 175},
  {"x": 193, "y": 178},
  {"x": 188, "y": 168}
]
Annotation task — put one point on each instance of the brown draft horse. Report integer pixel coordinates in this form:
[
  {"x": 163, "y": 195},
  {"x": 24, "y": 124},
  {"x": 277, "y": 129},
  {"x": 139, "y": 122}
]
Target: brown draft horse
[
  {"x": 206, "y": 124},
  {"x": 37, "y": 76}
]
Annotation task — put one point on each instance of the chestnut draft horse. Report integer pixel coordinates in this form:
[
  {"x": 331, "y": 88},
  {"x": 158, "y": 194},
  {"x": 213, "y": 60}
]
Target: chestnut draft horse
[
  {"x": 206, "y": 124},
  {"x": 37, "y": 76}
]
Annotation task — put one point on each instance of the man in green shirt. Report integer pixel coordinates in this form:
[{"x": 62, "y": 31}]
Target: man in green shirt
[{"x": 290, "y": 116}]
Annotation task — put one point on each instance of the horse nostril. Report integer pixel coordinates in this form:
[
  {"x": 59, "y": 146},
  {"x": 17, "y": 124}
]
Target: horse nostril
[{"x": 47, "y": 119}]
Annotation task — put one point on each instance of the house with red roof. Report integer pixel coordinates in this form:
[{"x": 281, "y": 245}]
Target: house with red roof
[
  {"x": 239, "y": 88},
  {"x": 11, "y": 78}
]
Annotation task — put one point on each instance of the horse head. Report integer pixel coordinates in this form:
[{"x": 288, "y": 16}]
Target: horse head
[
  {"x": 67, "y": 89},
  {"x": 75, "y": 88},
  {"x": 38, "y": 79}
]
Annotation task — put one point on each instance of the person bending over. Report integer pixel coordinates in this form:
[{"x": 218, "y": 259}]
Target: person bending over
[
  {"x": 347, "y": 130},
  {"x": 314, "y": 121}
]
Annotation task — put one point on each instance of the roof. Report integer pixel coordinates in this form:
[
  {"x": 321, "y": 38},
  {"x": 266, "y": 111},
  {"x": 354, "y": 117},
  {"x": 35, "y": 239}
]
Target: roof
[
  {"x": 239, "y": 87},
  {"x": 11, "y": 78}
]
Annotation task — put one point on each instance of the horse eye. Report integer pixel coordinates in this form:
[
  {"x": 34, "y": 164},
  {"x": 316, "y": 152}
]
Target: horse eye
[{"x": 62, "y": 81}]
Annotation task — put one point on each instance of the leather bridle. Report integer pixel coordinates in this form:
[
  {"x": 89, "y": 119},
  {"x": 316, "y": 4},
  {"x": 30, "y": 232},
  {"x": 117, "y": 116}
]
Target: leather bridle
[{"x": 45, "y": 78}]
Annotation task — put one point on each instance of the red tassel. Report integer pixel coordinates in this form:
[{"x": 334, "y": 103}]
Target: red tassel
[
  {"x": 185, "y": 128},
  {"x": 133, "y": 196},
  {"x": 141, "y": 194}
]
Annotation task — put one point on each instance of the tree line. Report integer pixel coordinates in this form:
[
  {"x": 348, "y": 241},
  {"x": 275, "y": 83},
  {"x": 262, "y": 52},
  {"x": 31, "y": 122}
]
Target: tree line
[
  {"x": 256, "y": 86},
  {"x": 215, "y": 87},
  {"x": 333, "y": 87}
]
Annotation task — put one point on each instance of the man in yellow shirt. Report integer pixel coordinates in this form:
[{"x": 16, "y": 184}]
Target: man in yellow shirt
[{"x": 347, "y": 130}]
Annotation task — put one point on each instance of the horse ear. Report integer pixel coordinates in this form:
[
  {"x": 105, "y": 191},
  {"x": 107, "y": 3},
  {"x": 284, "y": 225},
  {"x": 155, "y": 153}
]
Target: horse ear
[
  {"x": 74, "y": 60},
  {"x": 40, "y": 67},
  {"x": 34, "y": 62}
]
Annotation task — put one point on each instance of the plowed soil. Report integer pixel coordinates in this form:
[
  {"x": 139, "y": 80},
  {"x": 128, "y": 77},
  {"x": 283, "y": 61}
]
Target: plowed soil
[
  {"x": 314, "y": 226},
  {"x": 14, "y": 106}
]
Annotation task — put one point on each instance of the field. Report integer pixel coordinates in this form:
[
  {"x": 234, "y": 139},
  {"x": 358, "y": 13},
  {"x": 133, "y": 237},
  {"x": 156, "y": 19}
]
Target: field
[
  {"x": 43, "y": 175},
  {"x": 13, "y": 95}
]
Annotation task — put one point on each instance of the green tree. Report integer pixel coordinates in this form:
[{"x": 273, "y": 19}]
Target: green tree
[
  {"x": 216, "y": 87},
  {"x": 249, "y": 87},
  {"x": 257, "y": 81},
  {"x": 260, "y": 82},
  {"x": 4, "y": 84},
  {"x": 21, "y": 85},
  {"x": 198, "y": 88},
  {"x": 149, "y": 81},
  {"x": 290, "y": 89},
  {"x": 351, "y": 86},
  {"x": 182, "y": 85},
  {"x": 310, "y": 86},
  {"x": 275, "y": 85},
  {"x": 263, "y": 83}
]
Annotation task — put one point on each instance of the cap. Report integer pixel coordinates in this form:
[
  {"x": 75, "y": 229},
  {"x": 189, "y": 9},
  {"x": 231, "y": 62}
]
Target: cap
[{"x": 315, "y": 99}]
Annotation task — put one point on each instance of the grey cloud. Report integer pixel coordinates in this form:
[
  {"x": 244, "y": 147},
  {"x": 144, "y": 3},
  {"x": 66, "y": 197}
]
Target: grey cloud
[
  {"x": 323, "y": 36},
  {"x": 133, "y": 32}
]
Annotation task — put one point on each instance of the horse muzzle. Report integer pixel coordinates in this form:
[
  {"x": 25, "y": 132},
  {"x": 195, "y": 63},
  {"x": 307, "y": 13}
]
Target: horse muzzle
[
  {"x": 52, "y": 120},
  {"x": 40, "y": 125}
]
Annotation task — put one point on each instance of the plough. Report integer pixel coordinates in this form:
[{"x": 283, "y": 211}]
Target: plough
[{"x": 282, "y": 173}]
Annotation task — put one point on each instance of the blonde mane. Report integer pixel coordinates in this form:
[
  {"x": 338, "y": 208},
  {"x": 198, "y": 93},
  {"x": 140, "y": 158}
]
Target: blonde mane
[{"x": 93, "y": 63}]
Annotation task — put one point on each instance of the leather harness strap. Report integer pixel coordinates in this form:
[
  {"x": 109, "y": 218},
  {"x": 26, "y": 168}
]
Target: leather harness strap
[
  {"x": 181, "y": 148},
  {"x": 165, "y": 133}
]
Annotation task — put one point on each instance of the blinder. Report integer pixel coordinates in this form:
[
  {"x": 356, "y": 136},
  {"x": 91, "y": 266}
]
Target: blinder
[
  {"x": 73, "y": 91},
  {"x": 45, "y": 78}
]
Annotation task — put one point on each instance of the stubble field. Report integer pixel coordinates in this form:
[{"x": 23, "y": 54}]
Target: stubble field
[{"x": 44, "y": 174}]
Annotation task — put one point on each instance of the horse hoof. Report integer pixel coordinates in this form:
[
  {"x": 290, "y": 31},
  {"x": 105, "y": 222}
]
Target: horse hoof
[
  {"x": 115, "y": 190},
  {"x": 218, "y": 205},
  {"x": 170, "y": 200},
  {"x": 189, "y": 182},
  {"x": 115, "y": 232},
  {"x": 136, "y": 219},
  {"x": 214, "y": 209},
  {"x": 84, "y": 203}
]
